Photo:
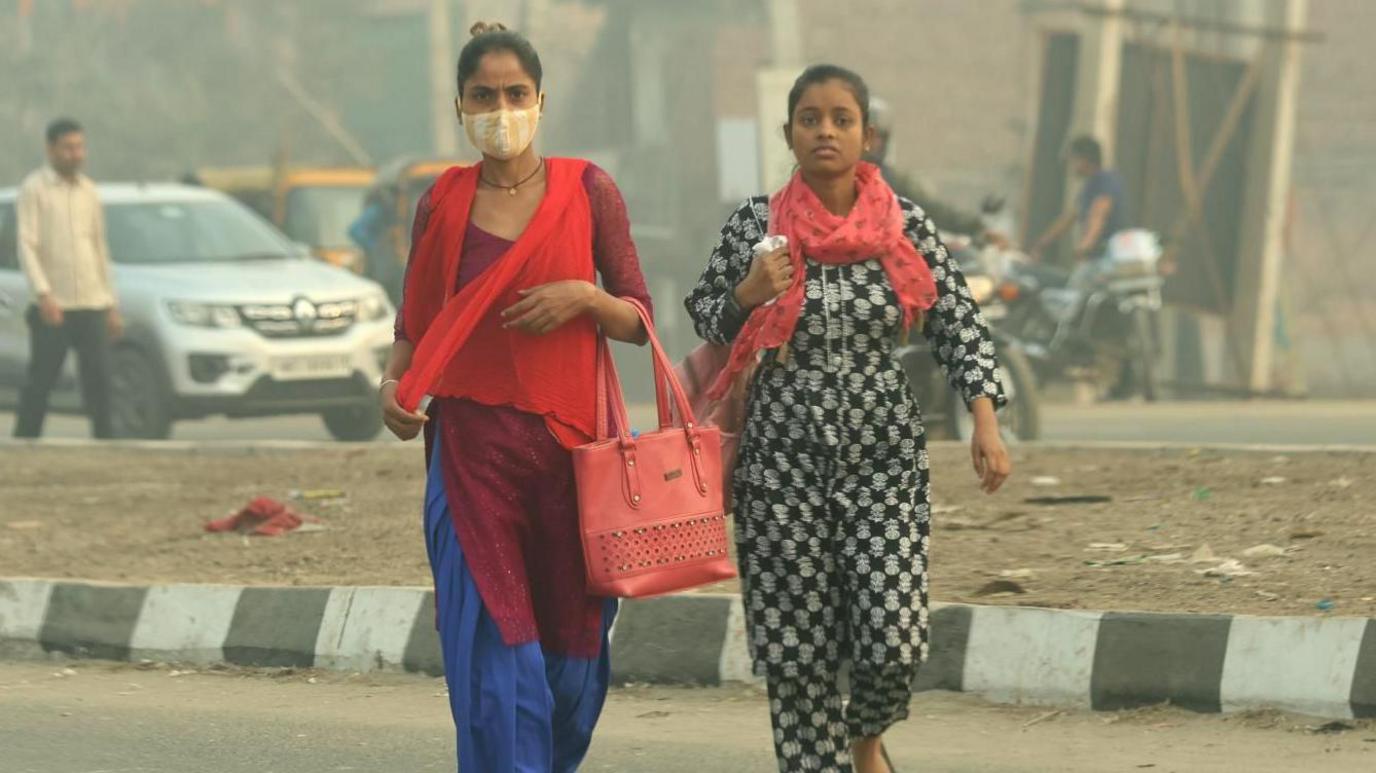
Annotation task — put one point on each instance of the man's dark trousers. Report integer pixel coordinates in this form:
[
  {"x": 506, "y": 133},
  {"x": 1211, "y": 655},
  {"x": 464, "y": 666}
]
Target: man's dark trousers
[{"x": 86, "y": 331}]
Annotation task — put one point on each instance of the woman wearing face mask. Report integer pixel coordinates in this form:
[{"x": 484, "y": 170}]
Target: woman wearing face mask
[
  {"x": 499, "y": 323},
  {"x": 831, "y": 489}
]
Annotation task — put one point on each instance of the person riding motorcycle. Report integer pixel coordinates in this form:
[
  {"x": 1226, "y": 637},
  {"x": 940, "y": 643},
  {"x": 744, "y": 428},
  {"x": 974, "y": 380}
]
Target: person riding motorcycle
[
  {"x": 948, "y": 218},
  {"x": 1100, "y": 212}
]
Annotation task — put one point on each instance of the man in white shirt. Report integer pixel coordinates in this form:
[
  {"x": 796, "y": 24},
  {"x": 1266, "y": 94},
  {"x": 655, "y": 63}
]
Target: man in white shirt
[{"x": 63, "y": 251}]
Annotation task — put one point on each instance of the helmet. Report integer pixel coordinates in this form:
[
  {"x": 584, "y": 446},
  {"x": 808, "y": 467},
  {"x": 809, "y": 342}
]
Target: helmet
[{"x": 881, "y": 115}]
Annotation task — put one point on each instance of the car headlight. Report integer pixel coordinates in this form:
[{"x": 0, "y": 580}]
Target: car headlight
[
  {"x": 981, "y": 287},
  {"x": 204, "y": 314},
  {"x": 374, "y": 307}
]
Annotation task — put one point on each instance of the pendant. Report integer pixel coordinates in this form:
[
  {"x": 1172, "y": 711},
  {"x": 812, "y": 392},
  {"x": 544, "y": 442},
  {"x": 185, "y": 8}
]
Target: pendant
[{"x": 511, "y": 191}]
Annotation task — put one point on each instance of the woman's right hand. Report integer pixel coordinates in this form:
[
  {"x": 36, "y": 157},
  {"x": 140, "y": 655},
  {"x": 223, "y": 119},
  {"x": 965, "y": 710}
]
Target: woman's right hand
[
  {"x": 403, "y": 423},
  {"x": 770, "y": 275}
]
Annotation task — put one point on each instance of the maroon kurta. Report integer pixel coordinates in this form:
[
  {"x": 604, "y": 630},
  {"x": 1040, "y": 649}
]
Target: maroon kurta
[{"x": 510, "y": 483}]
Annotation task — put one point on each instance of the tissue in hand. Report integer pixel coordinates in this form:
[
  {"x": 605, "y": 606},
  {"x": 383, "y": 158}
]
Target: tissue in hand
[{"x": 770, "y": 244}]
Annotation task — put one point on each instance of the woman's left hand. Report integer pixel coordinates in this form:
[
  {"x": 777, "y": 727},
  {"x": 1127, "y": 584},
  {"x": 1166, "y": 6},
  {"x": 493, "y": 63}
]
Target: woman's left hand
[
  {"x": 990, "y": 456},
  {"x": 547, "y": 308}
]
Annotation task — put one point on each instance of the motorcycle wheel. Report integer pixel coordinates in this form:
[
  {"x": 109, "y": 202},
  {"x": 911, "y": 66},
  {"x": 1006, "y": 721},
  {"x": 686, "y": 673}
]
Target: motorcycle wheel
[
  {"x": 1020, "y": 420},
  {"x": 1023, "y": 413},
  {"x": 1144, "y": 355}
]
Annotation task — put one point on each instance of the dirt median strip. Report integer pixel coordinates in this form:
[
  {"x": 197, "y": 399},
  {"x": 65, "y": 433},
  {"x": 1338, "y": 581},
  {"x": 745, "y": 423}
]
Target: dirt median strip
[{"x": 1288, "y": 533}]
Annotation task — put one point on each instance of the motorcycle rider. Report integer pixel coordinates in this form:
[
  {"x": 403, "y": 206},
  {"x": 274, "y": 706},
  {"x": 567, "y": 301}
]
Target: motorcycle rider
[
  {"x": 948, "y": 218},
  {"x": 1100, "y": 211}
]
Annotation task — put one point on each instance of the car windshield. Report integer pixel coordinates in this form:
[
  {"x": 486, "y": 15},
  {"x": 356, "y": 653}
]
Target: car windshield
[
  {"x": 190, "y": 232},
  {"x": 321, "y": 216}
]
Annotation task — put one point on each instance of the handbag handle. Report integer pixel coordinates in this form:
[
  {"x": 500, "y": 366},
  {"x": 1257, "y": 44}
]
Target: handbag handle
[
  {"x": 610, "y": 398},
  {"x": 665, "y": 377},
  {"x": 669, "y": 393},
  {"x": 609, "y": 395}
]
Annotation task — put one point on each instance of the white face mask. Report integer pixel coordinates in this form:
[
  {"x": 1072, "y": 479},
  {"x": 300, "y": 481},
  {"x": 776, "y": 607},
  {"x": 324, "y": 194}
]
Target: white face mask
[{"x": 502, "y": 134}]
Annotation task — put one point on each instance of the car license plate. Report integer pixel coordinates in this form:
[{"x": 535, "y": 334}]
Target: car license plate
[{"x": 311, "y": 366}]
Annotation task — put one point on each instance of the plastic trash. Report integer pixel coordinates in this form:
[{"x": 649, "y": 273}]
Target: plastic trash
[{"x": 1264, "y": 551}]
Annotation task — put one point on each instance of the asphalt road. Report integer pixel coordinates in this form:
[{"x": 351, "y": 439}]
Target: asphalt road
[
  {"x": 1271, "y": 422},
  {"x": 116, "y": 719}
]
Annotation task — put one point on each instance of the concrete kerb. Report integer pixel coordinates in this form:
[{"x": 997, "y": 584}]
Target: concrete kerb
[{"x": 1100, "y": 660}]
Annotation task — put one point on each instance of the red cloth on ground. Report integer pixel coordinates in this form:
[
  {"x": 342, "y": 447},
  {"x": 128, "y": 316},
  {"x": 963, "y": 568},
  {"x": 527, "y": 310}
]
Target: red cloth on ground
[
  {"x": 510, "y": 481},
  {"x": 263, "y": 517}
]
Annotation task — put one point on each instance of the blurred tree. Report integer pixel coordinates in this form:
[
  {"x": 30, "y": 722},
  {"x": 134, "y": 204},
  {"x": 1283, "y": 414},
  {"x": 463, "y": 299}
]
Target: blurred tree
[{"x": 167, "y": 85}]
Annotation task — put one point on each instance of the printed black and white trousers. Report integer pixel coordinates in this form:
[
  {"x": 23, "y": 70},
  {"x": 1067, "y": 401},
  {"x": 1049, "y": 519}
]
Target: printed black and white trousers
[{"x": 814, "y": 725}]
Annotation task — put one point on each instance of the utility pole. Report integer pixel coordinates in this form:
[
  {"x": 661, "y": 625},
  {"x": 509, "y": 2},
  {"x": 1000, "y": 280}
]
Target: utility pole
[
  {"x": 1261, "y": 254},
  {"x": 771, "y": 87},
  {"x": 24, "y": 27},
  {"x": 1101, "y": 64},
  {"x": 786, "y": 33},
  {"x": 442, "y": 86}
]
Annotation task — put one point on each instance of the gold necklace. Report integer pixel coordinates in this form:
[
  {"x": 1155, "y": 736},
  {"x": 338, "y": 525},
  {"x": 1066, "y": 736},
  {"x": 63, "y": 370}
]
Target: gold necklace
[{"x": 511, "y": 190}]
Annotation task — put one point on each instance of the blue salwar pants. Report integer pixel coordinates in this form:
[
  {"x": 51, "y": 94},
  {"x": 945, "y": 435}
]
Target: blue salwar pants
[{"x": 517, "y": 709}]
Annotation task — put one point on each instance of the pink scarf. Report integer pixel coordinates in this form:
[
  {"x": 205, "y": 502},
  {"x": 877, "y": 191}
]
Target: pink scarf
[{"x": 872, "y": 229}]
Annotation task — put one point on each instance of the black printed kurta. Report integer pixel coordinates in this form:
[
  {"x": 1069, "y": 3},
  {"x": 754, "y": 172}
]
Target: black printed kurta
[{"x": 831, "y": 486}]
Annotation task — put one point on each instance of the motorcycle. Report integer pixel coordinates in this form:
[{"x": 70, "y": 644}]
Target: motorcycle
[
  {"x": 944, "y": 411},
  {"x": 1097, "y": 322}
]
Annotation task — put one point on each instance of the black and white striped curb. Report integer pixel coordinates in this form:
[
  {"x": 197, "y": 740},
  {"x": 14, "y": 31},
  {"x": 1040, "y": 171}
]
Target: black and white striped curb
[{"x": 1110, "y": 660}]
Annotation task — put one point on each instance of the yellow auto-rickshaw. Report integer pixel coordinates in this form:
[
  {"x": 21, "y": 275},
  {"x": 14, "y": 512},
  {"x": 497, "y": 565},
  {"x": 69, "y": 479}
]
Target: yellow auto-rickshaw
[
  {"x": 316, "y": 206},
  {"x": 312, "y": 205},
  {"x": 252, "y": 185}
]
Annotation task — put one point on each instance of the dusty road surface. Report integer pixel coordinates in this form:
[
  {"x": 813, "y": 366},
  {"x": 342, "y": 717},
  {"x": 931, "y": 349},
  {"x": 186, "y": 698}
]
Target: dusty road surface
[
  {"x": 112, "y": 514},
  {"x": 100, "y": 718},
  {"x": 1308, "y": 422}
]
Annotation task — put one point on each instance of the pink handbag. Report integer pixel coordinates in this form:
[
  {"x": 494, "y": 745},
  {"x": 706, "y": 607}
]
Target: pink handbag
[{"x": 650, "y": 506}]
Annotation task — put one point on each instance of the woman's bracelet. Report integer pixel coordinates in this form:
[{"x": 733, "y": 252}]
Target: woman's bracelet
[{"x": 387, "y": 381}]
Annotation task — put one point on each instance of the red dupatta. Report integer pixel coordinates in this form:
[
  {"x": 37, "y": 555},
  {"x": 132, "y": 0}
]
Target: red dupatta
[{"x": 462, "y": 349}]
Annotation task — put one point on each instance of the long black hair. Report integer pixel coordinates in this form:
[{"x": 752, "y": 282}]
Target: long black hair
[
  {"x": 488, "y": 38},
  {"x": 822, "y": 73}
]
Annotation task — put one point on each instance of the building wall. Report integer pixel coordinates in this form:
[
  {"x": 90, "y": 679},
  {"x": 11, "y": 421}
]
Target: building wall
[
  {"x": 954, "y": 70},
  {"x": 950, "y": 69},
  {"x": 1333, "y": 257}
]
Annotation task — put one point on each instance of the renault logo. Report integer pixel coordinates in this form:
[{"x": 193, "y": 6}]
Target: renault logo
[{"x": 304, "y": 310}]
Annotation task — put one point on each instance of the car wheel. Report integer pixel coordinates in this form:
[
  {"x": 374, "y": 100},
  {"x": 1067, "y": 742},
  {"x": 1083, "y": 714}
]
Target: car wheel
[
  {"x": 355, "y": 423},
  {"x": 140, "y": 404}
]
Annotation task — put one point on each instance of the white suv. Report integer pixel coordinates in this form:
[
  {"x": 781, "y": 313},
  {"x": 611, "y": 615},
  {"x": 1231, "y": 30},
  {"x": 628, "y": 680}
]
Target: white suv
[{"x": 225, "y": 315}]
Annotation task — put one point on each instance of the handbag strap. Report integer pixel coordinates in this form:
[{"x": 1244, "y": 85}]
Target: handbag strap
[
  {"x": 609, "y": 395},
  {"x": 665, "y": 367},
  {"x": 669, "y": 393}
]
